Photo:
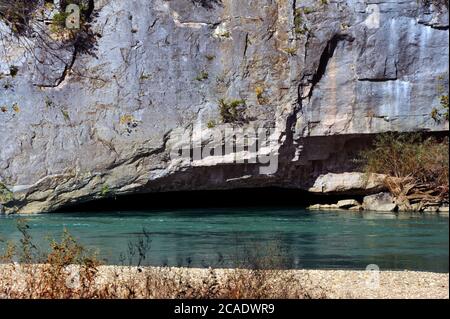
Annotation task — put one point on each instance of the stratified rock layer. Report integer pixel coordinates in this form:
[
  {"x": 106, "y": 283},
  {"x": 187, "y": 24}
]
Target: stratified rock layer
[{"x": 326, "y": 75}]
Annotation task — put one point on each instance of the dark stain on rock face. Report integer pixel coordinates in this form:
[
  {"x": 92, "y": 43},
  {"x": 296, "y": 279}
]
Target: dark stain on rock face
[{"x": 208, "y": 4}]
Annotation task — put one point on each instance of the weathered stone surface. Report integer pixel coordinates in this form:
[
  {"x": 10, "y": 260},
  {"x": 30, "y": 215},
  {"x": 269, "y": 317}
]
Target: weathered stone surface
[
  {"x": 374, "y": 77},
  {"x": 353, "y": 182},
  {"x": 356, "y": 208},
  {"x": 347, "y": 203},
  {"x": 77, "y": 127},
  {"x": 382, "y": 202}
]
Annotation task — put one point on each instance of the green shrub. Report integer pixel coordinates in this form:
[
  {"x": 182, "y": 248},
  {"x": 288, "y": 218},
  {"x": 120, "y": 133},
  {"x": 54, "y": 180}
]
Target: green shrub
[
  {"x": 105, "y": 190},
  {"x": 225, "y": 34},
  {"x": 5, "y": 194},
  {"x": 233, "y": 111},
  {"x": 59, "y": 19},
  {"x": 308, "y": 10},
  {"x": 444, "y": 106},
  {"x": 442, "y": 113},
  {"x": 211, "y": 124},
  {"x": 65, "y": 114},
  {"x": 262, "y": 100},
  {"x": 13, "y": 70},
  {"x": 290, "y": 51},
  {"x": 202, "y": 76},
  {"x": 300, "y": 26},
  {"x": 298, "y": 21}
]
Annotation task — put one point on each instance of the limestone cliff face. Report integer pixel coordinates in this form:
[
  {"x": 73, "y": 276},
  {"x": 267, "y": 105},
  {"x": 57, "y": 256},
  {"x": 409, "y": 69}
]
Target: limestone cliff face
[{"x": 76, "y": 125}]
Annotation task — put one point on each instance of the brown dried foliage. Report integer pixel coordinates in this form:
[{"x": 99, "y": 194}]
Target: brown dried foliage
[
  {"x": 417, "y": 167},
  {"x": 69, "y": 271}
]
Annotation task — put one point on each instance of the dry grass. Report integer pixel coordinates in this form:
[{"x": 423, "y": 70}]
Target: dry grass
[
  {"x": 417, "y": 168},
  {"x": 68, "y": 271}
]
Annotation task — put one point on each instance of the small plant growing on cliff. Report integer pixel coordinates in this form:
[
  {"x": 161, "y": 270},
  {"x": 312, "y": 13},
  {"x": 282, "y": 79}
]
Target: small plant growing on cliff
[
  {"x": 259, "y": 90},
  {"x": 144, "y": 76},
  {"x": 232, "y": 111},
  {"x": 126, "y": 119},
  {"x": 300, "y": 26},
  {"x": 16, "y": 108},
  {"x": 202, "y": 76},
  {"x": 290, "y": 51},
  {"x": 105, "y": 190},
  {"x": 298, "y": 21},
  {"x": 442, "y": 113},
  {"x": 211, "y": 124},
  {"x": 13, "y": 70},
  {"x": 225, "y": 34},
  {"x": 5, "y": 194},
  {"x": 48, "y": 102},
  {"x": 308, "y": 10},
  {"x": 65, "y": 114},
  {"x": 444, "y": 105},
  {"x": 59, "y": 21}
]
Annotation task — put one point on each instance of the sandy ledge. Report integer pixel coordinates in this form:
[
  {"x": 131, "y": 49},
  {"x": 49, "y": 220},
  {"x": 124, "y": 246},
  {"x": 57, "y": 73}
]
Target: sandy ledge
[{"x": 333, "y": 284}]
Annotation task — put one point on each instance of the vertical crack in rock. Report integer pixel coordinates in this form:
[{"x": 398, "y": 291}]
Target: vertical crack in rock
[{"x": 326, "y": 56}]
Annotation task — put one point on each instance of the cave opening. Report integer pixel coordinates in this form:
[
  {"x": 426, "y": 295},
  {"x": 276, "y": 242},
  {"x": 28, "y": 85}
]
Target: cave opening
[{"x": 204, "y": 199}]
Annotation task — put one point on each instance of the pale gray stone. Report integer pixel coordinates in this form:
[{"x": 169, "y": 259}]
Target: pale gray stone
[
  {"x": 356, "y": 208},
  {"x": 382, "y": 202},
  {"x": 348, "y": 182},
  {"x": 347, "y": 203}
]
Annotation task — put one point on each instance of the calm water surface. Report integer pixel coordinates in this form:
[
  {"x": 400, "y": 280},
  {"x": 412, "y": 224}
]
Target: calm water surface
[{"x": 204, "y": 237}]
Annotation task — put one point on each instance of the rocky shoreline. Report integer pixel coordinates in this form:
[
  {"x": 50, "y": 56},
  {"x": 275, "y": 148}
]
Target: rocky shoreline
[
  {"x": 329, "y": 284},
  {"x": 374, "y": 192},
  {"x": 381, "y": 202}
]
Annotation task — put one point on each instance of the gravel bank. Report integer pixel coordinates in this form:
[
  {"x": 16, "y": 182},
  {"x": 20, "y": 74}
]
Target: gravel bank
[
  {"x": 392, "y": 284},
  {"x": 333, "y": 284}
]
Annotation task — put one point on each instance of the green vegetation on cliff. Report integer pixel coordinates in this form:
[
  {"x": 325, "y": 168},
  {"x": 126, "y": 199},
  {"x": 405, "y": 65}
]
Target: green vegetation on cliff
[
  {"x": 232, "y": 111},
  {"x": 5, "y": 194}
]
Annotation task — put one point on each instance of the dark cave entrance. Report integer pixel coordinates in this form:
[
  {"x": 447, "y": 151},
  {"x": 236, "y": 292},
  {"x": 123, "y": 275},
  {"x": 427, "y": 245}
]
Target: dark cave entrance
[{"x": 248, "y": 198}]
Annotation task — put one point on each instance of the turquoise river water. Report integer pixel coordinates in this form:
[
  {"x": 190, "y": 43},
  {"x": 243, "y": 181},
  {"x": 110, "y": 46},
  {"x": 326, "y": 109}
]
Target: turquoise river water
[{"x": 224, "y": 237}]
